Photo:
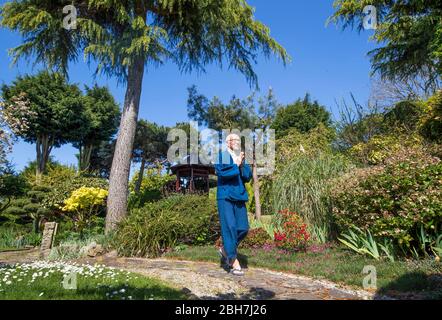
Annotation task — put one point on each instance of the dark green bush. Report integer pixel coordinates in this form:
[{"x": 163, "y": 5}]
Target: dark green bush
[
  {"x": 62, "y": 188},
  {"x": 66, "y": 230},
  {"x": 256, "y": 238},
  {"x": 392, "y": 202},
  {"x": 404, "y": 115},
  {"x": 180, "y": 219},
  {"x": 432, "y": 125},
  {"x": 13, "y": 236},
  {"x": 138, "y": 200},
  {"x": 151, "y": 187},
  {"x": 29, "y": 208}
]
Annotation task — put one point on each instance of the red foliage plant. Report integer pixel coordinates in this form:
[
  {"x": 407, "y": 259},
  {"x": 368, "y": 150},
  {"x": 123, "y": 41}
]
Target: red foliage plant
[{"x": 294, "y": 235}]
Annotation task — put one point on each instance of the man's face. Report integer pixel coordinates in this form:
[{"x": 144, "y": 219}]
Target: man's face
[{"x": 234, "y": 142}]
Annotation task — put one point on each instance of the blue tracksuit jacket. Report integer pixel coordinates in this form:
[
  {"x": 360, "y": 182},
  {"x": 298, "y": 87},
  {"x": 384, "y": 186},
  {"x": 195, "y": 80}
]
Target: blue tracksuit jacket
[{"x": 231, "y": 178}]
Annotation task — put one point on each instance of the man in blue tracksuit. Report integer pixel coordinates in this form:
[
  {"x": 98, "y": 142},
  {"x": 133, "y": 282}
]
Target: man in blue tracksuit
[{"x": 232, "y": 172}]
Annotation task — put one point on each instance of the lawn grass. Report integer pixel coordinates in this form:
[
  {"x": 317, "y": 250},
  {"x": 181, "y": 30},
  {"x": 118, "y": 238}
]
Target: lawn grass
[
  {"x": 44, "y": 281},
  {"x": 338, "y": 265}
]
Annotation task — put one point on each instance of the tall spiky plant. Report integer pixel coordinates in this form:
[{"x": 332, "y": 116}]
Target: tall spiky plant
[{"x": 302, "y": 186}]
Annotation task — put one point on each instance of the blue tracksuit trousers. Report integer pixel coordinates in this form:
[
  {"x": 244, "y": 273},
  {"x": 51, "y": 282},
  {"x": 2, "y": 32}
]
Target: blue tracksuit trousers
[{"x": 234, "y": 225}]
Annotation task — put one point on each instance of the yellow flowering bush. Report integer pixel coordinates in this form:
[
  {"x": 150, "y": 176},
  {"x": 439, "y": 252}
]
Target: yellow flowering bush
[
  {"x": 84, "y": 203},
  {"x": 380, "y": 148}
]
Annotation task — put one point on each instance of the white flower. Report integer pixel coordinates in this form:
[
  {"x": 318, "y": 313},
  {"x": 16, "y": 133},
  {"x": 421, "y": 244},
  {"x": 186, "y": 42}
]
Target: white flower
[{"x": 41, "y": 294}]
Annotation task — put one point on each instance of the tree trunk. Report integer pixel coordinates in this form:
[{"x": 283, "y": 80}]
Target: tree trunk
[
  {"x": 85, "y": 157},
  {"x": 119, "y": 177},
  {"x": 37, "y": 167},
  {"x": 256, "y": 192},
  {"x": 44, "y": 147},
  {"x": 36, "y": 225},
  {"x": 140, "y": 176},
  {"x": 256, "y": 184}
]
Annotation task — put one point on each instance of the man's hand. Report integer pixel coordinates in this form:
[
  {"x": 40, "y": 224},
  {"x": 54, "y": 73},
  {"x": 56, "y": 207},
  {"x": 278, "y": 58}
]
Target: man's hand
[{"x": 240, "y": 159}]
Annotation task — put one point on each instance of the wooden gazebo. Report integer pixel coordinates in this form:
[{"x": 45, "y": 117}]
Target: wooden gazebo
[{"x": 191, "y": 178}]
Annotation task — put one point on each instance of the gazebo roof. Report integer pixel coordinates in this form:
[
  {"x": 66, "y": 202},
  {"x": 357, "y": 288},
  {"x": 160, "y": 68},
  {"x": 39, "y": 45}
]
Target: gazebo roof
[
  {"x": 182, "y": 168},
  {"x": 186, "y": 166}
]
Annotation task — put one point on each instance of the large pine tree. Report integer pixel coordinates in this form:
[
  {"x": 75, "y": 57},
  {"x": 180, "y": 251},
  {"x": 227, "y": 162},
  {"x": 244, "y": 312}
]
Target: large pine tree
[
  {"x": 125, "y": 36},
  {"x": 409, "y": 35}
]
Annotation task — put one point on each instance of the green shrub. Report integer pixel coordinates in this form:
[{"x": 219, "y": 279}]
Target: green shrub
[
  {"x": 179, "y": 219},
  {"x": 138, "y": 200},
  {"x": 151, "y": 188},
  {"x": 18, "y": 236},
  {"x": 266, "y": 195},
  {"x": 66, "y": 230},
  {"x": 404, "y": 116},
  {"x": 298, "y": 144},
  {"x": 74, "y": 248},
  {"x": 362, "y": 242},
  {"x": 256, "y": 238},
  {"x": 392, "y": 201},
  {"x": 30, "y": 207},
  {"x": 62, "y": 184},
  {"x": 432, "y": 124},
  {"x": 266, "y": 222},
  {"x": 380, "y": 148},
  {"x": 11, "y": 186},
  {"x": 319, "y": 234}
]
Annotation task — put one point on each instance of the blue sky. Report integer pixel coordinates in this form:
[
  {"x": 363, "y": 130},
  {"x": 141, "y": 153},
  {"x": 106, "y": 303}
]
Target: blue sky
[{"x": 327, "y": 62}]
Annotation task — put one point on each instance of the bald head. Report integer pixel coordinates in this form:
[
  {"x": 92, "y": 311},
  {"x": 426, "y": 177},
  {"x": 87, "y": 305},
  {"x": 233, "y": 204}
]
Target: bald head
[{"x": 233, "y": 141}]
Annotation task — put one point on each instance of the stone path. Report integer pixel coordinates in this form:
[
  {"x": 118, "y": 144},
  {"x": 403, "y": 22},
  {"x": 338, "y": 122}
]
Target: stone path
[
  {"x": 205, "y": 280},
  {"x": 209, "y": 281},
  {"x": 20, "y": 256}
]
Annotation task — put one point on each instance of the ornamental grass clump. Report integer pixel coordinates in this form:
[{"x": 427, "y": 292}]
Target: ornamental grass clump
[
  {"x": 159, "y": 226},
  {"x": 303, "y": 186}
]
